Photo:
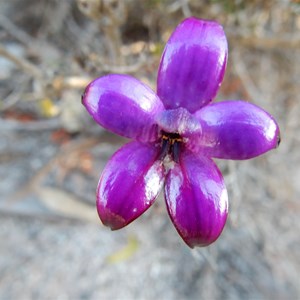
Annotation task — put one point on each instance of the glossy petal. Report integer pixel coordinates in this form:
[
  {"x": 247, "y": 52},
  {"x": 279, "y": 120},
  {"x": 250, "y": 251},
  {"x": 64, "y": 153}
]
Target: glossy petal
[
  {"x": 236, "y": 130},
  {"x": 123, "y": 105},
  {"x": 129, "y": 184},
  {"x": 193, "y": 65},
  {"x": 196, "y": 199}
]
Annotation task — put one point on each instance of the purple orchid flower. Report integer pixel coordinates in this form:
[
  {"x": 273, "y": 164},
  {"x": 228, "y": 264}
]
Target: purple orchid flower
[{"x": 176, "y": 134}]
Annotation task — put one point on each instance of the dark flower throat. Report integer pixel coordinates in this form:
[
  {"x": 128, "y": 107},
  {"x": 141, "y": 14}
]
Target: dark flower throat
[{"x": 170, "y": 144}]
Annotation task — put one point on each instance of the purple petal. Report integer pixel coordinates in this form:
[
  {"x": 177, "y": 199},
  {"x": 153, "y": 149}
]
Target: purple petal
[
  {"x": 123, "y": 105},
  {"x": 196, "y": 199},
  {"x": 236, "y": 130},
  {"x": 193, "y": 65},
  {"x": 129, "y": 184}
]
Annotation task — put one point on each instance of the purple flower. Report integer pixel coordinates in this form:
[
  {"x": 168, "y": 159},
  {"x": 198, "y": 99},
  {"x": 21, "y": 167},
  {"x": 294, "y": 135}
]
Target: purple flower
[{"x": 176, "y": 134}]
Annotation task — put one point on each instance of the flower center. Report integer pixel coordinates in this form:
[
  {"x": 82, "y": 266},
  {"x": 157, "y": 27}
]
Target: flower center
[{"x": 170, "y": 145}]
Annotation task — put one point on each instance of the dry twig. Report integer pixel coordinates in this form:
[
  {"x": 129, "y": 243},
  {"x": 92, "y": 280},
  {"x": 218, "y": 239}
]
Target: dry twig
[
  {"x": 22, "y": 63},
  {"x": 282, "y": 42}
]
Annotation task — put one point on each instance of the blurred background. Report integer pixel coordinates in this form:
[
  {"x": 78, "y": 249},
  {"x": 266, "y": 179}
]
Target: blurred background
[{"x": 52, "y": 245}]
